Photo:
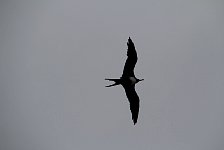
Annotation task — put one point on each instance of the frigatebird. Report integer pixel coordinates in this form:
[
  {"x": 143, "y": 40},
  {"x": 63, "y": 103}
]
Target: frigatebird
[{"x": 128, "y": 80}]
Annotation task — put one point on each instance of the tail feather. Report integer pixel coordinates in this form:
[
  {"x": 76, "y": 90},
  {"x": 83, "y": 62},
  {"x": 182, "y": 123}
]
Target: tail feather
[{"x": 117, "y": 82}]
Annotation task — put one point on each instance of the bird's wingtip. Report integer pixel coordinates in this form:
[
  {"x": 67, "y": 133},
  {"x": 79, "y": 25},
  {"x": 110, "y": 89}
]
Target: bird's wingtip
[{"x": 134, "y": 120}]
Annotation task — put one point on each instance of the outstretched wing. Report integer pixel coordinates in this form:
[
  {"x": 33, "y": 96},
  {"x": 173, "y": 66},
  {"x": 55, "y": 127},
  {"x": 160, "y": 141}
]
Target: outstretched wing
[
  {"x": 131, "y": 60},
  {"x": 134, "y": 101}
]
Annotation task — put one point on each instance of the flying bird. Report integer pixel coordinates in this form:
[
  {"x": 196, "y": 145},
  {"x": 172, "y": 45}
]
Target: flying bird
[{"x": 128, "y": 80}]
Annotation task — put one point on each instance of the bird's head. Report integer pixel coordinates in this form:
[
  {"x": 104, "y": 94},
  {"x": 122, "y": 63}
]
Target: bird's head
[{"x": 139, "y": 80}]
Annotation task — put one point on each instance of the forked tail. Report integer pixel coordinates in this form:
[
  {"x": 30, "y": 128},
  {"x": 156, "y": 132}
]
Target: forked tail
[{"x": 117, "y": 82}]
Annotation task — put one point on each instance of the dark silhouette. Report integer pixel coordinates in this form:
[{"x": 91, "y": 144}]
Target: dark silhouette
[{"x": 128, "y": 80}]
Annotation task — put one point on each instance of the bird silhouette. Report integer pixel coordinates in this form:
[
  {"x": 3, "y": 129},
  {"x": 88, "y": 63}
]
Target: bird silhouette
[{"x": 128, "y": 80}]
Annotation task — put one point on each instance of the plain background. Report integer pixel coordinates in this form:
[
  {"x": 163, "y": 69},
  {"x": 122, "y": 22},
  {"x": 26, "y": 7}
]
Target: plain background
[{"x": 54, "y": 56}]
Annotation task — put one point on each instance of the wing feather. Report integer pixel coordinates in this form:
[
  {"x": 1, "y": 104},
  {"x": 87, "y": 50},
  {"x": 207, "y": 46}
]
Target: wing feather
[
  {"x": 134, "y": 102},
  {"x": 131, "y": 60}
]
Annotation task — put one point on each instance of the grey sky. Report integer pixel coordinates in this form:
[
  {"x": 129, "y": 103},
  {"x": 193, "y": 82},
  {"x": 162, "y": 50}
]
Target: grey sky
[{"x": 54, "y": 56}]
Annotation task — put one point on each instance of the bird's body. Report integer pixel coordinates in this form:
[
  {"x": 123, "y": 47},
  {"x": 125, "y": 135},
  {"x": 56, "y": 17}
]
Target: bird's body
[
  {"x": 128, "y": 80},
  {"x": 133, "y": 80}
]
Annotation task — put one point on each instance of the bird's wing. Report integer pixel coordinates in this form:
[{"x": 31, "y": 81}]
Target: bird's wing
[
  {"x": 134, "y": 101},
  {"x": 131, "y": 60}
]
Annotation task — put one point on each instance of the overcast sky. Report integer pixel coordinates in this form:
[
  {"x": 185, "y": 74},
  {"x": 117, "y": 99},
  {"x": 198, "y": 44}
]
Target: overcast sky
[{"x": 54, "y": 56}]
